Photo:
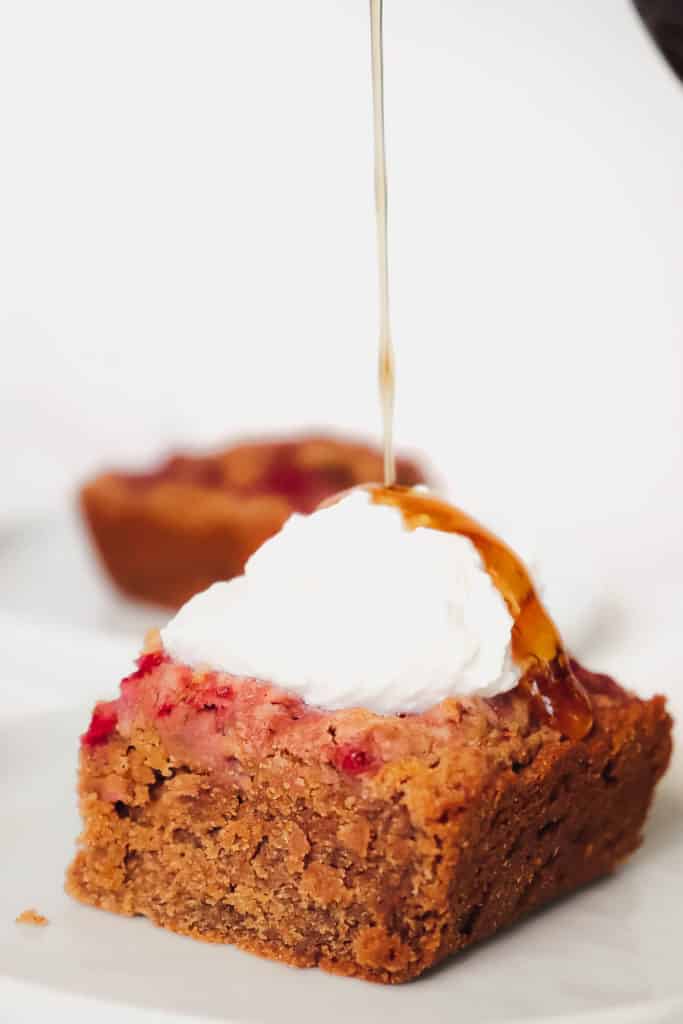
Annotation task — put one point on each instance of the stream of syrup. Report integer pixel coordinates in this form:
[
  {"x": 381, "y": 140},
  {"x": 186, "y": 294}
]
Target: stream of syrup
[
  {"x": 386, "y": 348},
  {"x": 536, "y": 643}
]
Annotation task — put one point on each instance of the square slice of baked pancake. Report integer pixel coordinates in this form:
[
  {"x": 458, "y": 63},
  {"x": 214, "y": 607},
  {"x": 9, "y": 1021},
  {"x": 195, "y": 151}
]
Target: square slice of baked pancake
[{"x": 369, "y": 845}]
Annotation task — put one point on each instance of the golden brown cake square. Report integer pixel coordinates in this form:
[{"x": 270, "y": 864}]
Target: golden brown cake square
[{"x": 368, "y": 845}]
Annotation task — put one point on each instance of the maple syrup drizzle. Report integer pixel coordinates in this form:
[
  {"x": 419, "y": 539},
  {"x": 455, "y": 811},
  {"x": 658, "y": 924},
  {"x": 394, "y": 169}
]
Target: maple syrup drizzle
[
  {"x": 536, "y": 643},
  {"x": 386, "y": 348}
]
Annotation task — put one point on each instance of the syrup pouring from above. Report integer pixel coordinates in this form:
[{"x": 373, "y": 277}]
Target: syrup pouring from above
[{"x": 536, "y": 644}]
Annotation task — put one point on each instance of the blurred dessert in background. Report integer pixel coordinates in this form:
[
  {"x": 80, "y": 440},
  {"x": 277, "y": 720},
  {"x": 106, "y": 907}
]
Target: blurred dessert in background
[{"x": 166, "y": 534}]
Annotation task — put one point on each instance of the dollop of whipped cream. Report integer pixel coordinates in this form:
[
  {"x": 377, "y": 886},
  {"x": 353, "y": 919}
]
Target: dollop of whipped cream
[{"x": 348, "y": 608}]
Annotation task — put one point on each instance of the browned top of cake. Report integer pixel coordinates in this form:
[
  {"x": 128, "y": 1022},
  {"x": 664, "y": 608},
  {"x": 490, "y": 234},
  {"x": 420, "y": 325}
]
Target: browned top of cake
[{"x": 218, "y": 723}]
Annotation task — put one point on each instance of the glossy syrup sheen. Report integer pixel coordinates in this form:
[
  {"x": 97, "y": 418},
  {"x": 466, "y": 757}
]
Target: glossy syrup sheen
[
  {"x": 536, "y": 643},
  {"x": 386, "y": 348}
]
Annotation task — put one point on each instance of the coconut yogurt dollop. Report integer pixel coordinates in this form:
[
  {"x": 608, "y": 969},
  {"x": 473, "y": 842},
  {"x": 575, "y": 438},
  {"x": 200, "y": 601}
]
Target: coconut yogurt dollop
[{"x": 348, "y": 608}]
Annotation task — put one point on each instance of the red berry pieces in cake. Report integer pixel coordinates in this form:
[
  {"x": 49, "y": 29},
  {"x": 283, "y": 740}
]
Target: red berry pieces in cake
[
  {"x": 354, "y": 760},
  {"x": 102, "y": 725},
  {"x": 210, "y": 694},
  {"x": 146, "y": 663}
]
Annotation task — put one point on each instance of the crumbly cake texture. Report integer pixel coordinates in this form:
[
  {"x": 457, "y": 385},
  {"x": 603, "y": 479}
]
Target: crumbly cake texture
[
  {"x": 32, "y": 917},
  {"x": 371, "y": 846},
  {"x": 165, "y": 535}
]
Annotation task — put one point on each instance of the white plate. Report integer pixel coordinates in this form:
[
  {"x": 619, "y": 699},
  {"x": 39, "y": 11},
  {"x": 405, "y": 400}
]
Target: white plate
[{"x": 608, "y": 954}]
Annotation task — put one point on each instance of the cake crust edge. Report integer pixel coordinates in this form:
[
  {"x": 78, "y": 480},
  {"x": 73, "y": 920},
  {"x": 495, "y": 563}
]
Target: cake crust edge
[{"x": 376, "y": 878}]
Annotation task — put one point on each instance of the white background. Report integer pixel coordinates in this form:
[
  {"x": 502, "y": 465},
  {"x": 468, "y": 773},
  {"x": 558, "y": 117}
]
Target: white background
[
  {"x": 187, "y": 250},
  {"x": 187, "y": 255}
]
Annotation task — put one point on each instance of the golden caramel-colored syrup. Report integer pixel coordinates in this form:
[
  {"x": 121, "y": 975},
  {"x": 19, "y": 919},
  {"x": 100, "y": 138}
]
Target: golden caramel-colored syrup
[
  {"x": 386, "y": 348},
  {"x": 536, "y": 643}
]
